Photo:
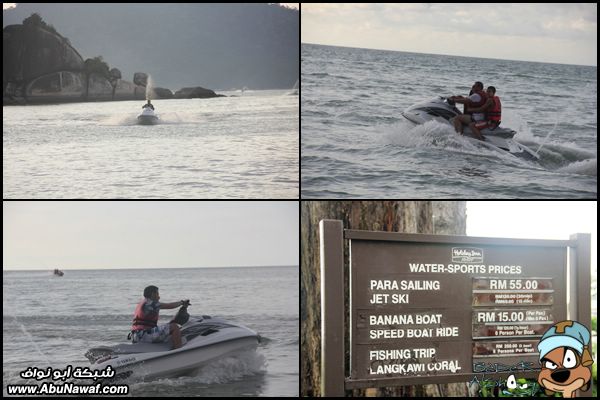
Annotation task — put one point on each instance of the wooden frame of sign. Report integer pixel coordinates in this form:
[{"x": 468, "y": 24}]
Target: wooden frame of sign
[{"x": 428, "y": 309}]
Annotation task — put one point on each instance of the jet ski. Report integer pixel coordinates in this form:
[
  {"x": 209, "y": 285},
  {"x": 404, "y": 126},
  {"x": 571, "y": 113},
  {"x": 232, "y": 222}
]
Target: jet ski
[
  {"x": 147, "y": 117},
  {"x": 204, "y": 339},
  {"x": 443, "y": 110}
]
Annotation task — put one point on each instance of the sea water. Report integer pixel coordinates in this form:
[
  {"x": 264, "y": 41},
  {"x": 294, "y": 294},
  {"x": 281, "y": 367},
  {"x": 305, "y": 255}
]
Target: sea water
[
  {"x": 242, "y": 146},
  {"x": 52, "y": 321},
  {"x": 356, "y": 144}
]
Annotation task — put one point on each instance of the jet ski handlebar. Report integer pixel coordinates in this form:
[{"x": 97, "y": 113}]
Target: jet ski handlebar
[{"x": 182, "y": 315}]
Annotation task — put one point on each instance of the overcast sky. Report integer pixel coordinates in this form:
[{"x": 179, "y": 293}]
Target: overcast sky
[
  {"x": 545, "y": 32},
  {"x": 534, "y": 220},
  {"x": 12, "y": 5},
  {"x": 142, "y": 234}
]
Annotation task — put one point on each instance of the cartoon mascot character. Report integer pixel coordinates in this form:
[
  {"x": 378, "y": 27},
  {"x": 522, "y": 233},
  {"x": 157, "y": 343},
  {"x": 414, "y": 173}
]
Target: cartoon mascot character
[{"x": 565, "y": 358}]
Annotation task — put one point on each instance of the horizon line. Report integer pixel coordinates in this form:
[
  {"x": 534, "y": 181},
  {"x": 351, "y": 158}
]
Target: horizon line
[{"x": 450, "y": 55}]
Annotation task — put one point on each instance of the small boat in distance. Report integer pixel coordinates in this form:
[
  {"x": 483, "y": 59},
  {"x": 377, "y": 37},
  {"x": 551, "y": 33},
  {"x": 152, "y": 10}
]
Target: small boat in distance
[{"x": 58, "y": 272}]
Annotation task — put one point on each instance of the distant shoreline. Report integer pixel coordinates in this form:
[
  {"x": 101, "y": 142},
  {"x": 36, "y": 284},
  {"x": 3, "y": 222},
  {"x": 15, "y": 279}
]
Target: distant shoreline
[{"x": 444, "y": 55}]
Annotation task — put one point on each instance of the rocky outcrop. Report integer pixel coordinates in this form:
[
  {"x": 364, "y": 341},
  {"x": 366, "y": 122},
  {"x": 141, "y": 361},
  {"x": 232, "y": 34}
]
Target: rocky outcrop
[
  {"x": 99, "y": 88},
  {"x": 125, "y": 90},
  {"x": 163, "y": 93},
  {"x": 41, "y": 66},
  {"x": 140, "y": 78},
  {"x": 30, "y": 52},
  {"x": 56, "y": 87},
  {"x": 196, "y": 93},
  {"x": 38, "y": 64}
]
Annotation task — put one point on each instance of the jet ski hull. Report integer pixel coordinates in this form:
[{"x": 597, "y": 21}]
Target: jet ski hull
[
  {"x": 496, "y": 139},
  {"x": 147, "y": 117},
  {"x": 502, "y": 141},
  {"x": 173, "y": 363},
  {"x": 206, "y": 340}
]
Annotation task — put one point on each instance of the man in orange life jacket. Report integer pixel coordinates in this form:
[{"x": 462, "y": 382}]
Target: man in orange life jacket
[
  {"x": 145, "y": 328},
  {"x": 493, "y": 112},
  {"x": 475, "y": 100}
]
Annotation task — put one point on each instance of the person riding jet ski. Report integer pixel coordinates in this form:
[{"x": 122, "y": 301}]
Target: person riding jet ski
[
  {"x": 148, "y": 105},
  {"x": 147, "y": 117},
  {"x": 493, "y": 113},
  {"x": 477, "y": 99},
  {"x": 145, "y": 328},
  {"x": 204, "y": 339}
]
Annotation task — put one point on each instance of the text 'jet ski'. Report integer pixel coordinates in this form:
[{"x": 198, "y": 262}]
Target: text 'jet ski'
[
  {"x": 148, "y": 116},
  {"x": 443, "y": 110},
  {"x": 205, "y": 339}
]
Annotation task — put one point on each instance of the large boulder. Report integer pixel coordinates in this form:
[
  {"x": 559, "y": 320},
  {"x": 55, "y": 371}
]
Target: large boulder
[
  {"x": 115, "y": 74},
  {"x": 125, "y": 90},
  {"x": 56, "y": 87},
  {"x": 140, "y": 92},
  {"x": 99, "y": 88},
  {"x": 163, "y": 93},
  {"x": 140, "y": 78},
  {"x": 196, "y": 93},
  {"x": 31, "y": 51}
]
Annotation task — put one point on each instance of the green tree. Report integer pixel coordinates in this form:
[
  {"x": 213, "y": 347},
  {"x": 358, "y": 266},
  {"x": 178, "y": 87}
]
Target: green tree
[
  {"x": 36, "y": 21},
  {"x": 98, "y": 66}
]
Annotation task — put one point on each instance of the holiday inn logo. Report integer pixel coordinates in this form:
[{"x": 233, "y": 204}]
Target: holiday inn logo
[{"x": 467, "y": 255}]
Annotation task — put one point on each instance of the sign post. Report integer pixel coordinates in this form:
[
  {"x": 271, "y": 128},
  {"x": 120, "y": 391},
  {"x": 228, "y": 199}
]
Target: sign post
[{"x": 437, "y": 309}]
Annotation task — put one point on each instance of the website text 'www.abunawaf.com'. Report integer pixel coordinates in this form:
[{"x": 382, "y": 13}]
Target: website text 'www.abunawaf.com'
[{"x": 70, "y": 381}]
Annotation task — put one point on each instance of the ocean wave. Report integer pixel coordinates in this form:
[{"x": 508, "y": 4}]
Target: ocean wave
[{"x": 584, "y": 167}]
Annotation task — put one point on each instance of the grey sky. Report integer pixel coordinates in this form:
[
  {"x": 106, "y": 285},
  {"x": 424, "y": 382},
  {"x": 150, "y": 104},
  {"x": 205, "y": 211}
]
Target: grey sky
[
  {"x": 41, "y": 235},
  {"x": 534, "y": 220},
  {"x": 545, "y": 32},
  {"x": 11, "y": 5}
]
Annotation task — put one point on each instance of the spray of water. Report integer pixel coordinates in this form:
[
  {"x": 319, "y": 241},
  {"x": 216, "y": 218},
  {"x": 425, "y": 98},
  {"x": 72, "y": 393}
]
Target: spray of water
[
  {"x": 26, "y": 335},
  {"x": 150, "y": 89},
  {"x": 31, "y": 340},
  {"x": 547, "y": 136},
  {"x": 295, "y": 88}
]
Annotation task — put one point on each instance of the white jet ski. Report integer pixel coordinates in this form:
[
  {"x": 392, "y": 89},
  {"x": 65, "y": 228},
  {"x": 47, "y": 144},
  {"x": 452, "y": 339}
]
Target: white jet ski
[
  {"x": 443, "y": 110},
  {"x": 204, "y": 339},
  {"x": 147, "y": 117}
]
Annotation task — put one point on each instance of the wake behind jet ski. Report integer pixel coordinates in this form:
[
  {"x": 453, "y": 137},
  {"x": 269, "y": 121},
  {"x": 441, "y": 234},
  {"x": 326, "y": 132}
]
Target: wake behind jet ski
[
  {"x": 148, "y": 116},
  {"x": 205, "y": 339},
  {"x": 443, "y": 110}
]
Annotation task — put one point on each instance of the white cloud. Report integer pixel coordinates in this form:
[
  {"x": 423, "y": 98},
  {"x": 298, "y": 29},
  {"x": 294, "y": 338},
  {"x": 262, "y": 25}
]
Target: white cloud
[{"x": 567, "y": 33}]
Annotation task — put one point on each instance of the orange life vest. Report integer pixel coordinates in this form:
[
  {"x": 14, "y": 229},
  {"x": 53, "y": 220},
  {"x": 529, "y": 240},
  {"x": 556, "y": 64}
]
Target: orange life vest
[
  {"x": 495, "y": 113},
  {"x": 143, "y": 321}
]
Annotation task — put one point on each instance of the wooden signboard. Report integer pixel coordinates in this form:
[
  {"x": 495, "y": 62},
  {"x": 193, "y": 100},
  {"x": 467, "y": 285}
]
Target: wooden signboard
[{"x": 436, "y": 309}]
